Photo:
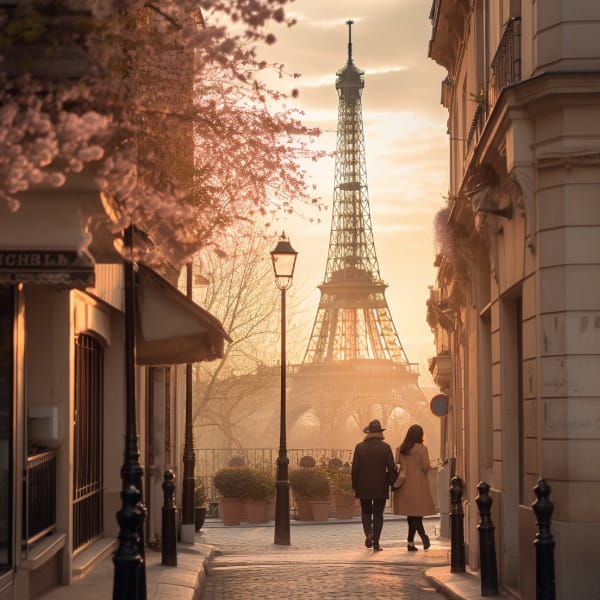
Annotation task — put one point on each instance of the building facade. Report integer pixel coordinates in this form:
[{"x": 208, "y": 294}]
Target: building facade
[
  {"x": 516, "y": 306},
  {"x": 64, "y": 395}
]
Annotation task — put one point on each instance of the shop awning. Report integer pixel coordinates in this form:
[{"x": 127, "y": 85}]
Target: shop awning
[{"x": 171, "y": 329}]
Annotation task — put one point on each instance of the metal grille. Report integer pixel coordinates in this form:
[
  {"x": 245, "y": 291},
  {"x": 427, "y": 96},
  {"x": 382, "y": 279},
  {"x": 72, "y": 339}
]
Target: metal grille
[
  {"x": 39, "y": 515},
  {"x": 87, "y": 472}
]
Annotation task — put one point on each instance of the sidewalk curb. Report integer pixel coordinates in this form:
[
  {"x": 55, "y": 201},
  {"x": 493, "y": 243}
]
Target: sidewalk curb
[
  {"x": 456, "y": 586},
  {"x": 209, "y": 554}
]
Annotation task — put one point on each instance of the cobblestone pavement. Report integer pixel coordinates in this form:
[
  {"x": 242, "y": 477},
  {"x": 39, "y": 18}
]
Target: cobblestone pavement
[
  {"x": 325, "y": 561},
  {"x": 323, "y": 581}
]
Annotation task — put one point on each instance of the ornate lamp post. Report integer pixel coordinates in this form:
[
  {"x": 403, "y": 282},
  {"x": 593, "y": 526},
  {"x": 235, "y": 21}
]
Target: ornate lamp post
[
  {"x": 189, "y": 458},
  {"x": 284, "y": 261},
  {"x": 130, "y": 571}
]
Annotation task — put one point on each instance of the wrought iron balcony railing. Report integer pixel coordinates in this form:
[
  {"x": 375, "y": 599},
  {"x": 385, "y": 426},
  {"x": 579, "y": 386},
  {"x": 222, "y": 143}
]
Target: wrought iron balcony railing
[
  {"x": 476, "y": 127},
  {"x": 505, "y": 68}
]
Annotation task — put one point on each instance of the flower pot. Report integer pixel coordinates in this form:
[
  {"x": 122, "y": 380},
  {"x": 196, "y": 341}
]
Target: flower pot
[
  {"x": 231, "y": 510},
  {"x": 255, "y": 511},
  {"x": 331, "y": 514},
  {"x": 319, "y": 509},
  {"x": 303, "y": 512},
  {"x": 344, "y": 506},
  {"x": 269, "y": 510},
  {"x": 199, "y": 517}
]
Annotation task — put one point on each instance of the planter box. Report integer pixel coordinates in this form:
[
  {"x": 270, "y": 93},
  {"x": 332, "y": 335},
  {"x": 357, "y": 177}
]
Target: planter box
[
  {"x": 320, "y": 509},
  {"x": 231, "y": 510},
  {"x": 344, "y": 506},
  {"x": 269, "y": 511},
  {"x": 303, "y": 512},
  {"x": 255, "y": 511}
]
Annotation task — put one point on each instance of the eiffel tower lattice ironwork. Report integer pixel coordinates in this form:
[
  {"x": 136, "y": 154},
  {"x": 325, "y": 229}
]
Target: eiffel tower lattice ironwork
[
  {"x": 354, "y": 365},
  {"x": 353, "y": 319}
]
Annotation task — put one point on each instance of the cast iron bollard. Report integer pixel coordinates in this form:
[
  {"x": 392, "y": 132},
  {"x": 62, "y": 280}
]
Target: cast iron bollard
[
  {"x": 169, "y": 535},
  {"x": 457, "y": 535},
  {"x": 127, "y": 559},
  {"x": 544, "y": 543},
  {"x": 487, "y": 547}
]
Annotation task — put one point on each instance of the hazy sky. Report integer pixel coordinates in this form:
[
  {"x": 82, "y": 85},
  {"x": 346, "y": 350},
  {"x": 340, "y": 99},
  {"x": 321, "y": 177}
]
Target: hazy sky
[{"x": 406, "y": 147}]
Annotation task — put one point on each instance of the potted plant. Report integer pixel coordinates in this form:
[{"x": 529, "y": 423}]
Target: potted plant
[
  {"x": 232, "y": 483},
  {"x": 261, "y": 488},
  {"x": 311, "y": 485},
  {"x": 343, "y": 494},
  {"x": 200, "y": 498}
]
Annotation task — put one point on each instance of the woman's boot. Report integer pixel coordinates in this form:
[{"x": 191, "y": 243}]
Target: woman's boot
[{"x": 424, "y": 537}]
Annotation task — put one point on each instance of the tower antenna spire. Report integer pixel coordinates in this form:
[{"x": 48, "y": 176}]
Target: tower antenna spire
[{"x": 350, "y": 22}]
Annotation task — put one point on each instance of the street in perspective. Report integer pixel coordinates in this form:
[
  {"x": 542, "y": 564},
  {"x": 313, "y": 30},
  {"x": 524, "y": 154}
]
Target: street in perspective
[{"x": 325, "y": 560}]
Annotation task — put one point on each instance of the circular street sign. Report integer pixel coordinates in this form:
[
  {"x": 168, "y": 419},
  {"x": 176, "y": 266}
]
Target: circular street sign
[{"x": 439, "y": 405}]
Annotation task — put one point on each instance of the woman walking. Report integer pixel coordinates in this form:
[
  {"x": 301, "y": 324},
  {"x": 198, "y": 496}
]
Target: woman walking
[{"x": 414, "y": 498}]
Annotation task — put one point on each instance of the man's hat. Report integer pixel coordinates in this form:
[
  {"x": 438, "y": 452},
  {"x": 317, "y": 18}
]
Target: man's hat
[{"x": 373, "y": 427}]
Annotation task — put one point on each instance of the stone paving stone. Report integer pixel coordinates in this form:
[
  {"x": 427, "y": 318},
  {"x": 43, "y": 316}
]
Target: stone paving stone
[
  {"x": 326, "y": 562},
  {"x": 326, "y": 581}
]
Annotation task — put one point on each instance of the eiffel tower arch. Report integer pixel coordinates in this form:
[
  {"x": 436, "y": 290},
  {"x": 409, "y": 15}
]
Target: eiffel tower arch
[{"x": 355, "y": 367}]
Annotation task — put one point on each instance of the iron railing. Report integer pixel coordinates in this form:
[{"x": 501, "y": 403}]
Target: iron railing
[
  {"x": 39, "y": 499},
  {"x": 476, "y": 127},
  {"x": 209, "y": 461},
  {"x": 88, "y": 434},
  {"x": 506, "y": 65}
]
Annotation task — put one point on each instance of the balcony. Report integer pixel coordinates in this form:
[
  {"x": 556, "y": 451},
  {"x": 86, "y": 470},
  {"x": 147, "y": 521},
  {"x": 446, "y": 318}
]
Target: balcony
[
  {"x": 440, "y": 367},
  {"x": 476, "y": 128},
  {"x": 448, "y": 23},
  {"x": 505, "y": 68}
]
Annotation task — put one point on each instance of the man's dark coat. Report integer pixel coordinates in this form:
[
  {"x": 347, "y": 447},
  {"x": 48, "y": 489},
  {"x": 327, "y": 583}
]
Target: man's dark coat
[{"x": 372, "y": 469}]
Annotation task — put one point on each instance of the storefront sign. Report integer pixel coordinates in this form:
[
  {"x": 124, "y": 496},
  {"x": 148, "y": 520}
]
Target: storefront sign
[
  {"x": 33, "y": 259},
  {"x": 69, "y": 268}
]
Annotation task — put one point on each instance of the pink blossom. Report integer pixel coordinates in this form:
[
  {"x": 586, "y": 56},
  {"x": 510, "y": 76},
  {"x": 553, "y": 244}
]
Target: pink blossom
[
  {"x": 134, "y": 113},
  {"x": 91, "y": 153},
  {"x": 56, "y": 179}
]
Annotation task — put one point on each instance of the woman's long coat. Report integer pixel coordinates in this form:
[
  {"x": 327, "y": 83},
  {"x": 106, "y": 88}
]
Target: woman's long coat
[
  {"x": 372, "y": 469},
  {"x": 414, "y": 498}
]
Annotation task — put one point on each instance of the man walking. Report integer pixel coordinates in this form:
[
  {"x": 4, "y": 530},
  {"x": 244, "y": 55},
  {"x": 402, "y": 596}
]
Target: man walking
[{"x": 373, "y": 471}]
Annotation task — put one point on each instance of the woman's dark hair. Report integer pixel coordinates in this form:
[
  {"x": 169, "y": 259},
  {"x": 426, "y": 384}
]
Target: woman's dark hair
[{"x": 414, "y": 435}]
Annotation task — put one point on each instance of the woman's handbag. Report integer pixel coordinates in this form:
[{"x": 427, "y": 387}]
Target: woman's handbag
[{"x": 400, "y": 477}]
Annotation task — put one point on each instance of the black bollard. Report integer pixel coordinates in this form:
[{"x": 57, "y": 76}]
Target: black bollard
[
  {"x": 487, "y": 546},
  {"x": 127, "y": 559},
  {"x": 544, "y": 543},
  {"x": 169, "y": 534},
  {"x": 457, "y": 535}
]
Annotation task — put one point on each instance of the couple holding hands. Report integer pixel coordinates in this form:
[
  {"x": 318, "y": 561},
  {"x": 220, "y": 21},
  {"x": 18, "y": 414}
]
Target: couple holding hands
[{"x": 374, "y": 471}]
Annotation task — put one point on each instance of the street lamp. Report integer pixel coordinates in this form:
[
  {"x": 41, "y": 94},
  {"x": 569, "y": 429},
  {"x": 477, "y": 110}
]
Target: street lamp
[
  {"x": 129, "y": 581},
  {"x": 188, "y": 528},
  {"x": 284, "y": 260}
]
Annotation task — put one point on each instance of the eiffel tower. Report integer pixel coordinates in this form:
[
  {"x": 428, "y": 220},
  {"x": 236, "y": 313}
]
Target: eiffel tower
[{"x": 355, "y": 367}]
